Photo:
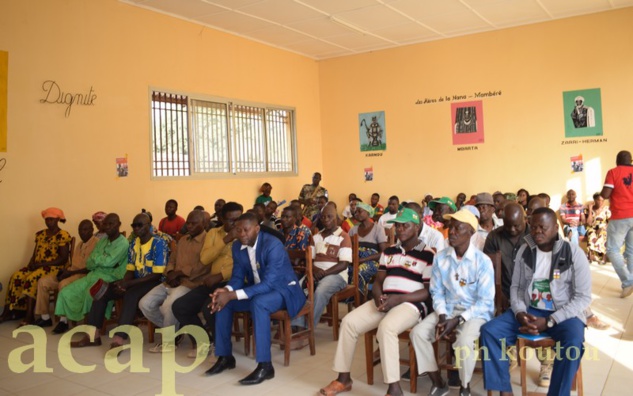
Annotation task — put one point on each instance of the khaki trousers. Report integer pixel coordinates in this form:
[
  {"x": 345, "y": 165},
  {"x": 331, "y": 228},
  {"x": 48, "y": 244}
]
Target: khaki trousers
[
  {"x": 423, "y": 337},
  {"x": 390, "y": 325},
  {"x": 45, "y": 285}
]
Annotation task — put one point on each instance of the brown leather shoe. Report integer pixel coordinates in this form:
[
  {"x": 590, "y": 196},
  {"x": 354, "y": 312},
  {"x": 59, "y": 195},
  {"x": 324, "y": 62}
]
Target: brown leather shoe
[{"x": 85, "y": 342}]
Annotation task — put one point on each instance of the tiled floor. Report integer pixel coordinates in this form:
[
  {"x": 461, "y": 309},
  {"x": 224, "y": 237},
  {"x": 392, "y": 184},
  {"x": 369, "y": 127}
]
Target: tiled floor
[{"x": 607, "y": 367}]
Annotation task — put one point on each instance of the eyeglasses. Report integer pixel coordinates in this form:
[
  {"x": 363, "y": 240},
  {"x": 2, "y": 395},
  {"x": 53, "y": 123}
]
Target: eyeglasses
[{"x": 137, "y": 225}]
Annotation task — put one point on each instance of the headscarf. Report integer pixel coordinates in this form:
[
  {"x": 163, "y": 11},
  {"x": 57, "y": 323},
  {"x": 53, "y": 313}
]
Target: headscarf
[
  {"x": 99, "y": 216},
  {"x": 366, "y": 208},
  {"x": 54, "y": 213}
]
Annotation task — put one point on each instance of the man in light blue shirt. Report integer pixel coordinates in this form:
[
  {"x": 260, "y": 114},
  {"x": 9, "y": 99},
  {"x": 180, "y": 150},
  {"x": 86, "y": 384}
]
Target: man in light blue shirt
[{"x": 463, "y": 290}]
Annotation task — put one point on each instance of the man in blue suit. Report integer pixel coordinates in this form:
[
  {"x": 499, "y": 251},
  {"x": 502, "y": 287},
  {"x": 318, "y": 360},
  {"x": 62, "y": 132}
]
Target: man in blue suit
[{"x": 262, "y": 282}]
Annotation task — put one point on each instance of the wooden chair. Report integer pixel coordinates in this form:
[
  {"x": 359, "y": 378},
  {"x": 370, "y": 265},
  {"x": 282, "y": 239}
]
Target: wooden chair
[
  {"x": 245, "y": 331},
  {"x": 52, "y": 294},
  {"x": 140, "y": 320},
  {"x": 371, "y": 361},
  {"x": 350, "y": 291},
  {"x": 523, "y": 343},
  {"x": 284, "y": 319},
  {"x": 501, "y": 302}
]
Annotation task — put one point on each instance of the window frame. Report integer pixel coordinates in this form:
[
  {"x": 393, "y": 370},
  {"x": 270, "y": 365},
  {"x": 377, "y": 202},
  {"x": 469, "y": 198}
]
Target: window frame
[{"x": 231, "y": 174}]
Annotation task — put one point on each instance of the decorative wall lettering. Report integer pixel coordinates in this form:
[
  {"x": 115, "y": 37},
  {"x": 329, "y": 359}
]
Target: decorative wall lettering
[
  {"x": 3, "y": 163},
  {"x": 452, "y": 98},
  {"x": 587, "y": 140},
  {"x": 54, "y": 94}
]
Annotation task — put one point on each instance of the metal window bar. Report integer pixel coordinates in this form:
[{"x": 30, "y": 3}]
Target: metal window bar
[
  {"x": 279, "y": 137},
  {"x": 248, "y": 137},
  {"x": 210, "y": 131},
  {"x": 170, "y": 133}
]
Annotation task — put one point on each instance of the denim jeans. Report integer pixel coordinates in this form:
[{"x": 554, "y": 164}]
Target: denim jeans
[
  {"x": 156, "y": 305},
  {"x": 620, "y": 232},
  {"x": 575, "y": 233},
  {"x": 325, "y": 289}
]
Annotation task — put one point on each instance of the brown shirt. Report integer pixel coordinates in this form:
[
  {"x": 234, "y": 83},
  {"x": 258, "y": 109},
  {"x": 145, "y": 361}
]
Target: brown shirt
[
  {"x": 187, "y": 260},
  {"x": 82, "y": 252}
]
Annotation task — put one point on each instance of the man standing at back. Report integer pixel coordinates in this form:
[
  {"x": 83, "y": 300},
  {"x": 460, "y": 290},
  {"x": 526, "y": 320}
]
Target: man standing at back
[
  {"x": 618, "y": 190},
  {"x": 260, "y": 259}
]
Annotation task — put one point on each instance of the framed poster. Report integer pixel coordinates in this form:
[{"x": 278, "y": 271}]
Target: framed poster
[
  {"x": 583, "y": 113},
  {"x": 467, "y": 122},
  {"x": 372, "y": 130}
]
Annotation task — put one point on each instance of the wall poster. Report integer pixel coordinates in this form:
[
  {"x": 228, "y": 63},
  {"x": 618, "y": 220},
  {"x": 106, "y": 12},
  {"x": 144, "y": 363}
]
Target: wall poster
[
  {"x": 373, "y": 134},
  {"x": 467, "y": 122},
  {"x": 583, "y": 113}
]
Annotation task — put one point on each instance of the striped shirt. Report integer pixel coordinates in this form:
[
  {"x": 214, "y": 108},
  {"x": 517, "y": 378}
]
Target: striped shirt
[
  {"x": 404, "y": 270},
  {"x": 467, "y": 284},
  {"x": 331, "y": 250}
]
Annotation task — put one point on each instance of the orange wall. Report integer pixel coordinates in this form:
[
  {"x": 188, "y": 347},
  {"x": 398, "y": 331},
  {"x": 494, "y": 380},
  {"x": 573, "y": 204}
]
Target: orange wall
[
  {"x": 532, "y": 65},
  {"x": 121, "y": 51}
]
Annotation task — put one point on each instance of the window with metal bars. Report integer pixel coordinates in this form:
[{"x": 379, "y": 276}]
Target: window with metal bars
[{"x": 194, "y": 136}]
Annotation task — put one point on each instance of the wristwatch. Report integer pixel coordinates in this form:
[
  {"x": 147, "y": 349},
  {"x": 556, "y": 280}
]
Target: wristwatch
[
  {"x": 461, "y": 320},
  {"x": 550, "y": 322}
]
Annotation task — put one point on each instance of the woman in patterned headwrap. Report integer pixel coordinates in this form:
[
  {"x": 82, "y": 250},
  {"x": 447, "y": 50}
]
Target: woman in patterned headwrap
[
  {"x": 49, "y": 256},
  {"x": 372, "y": 240}
]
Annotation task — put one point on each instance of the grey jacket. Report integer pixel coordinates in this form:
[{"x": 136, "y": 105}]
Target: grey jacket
[{"x": 571, "y": 292}]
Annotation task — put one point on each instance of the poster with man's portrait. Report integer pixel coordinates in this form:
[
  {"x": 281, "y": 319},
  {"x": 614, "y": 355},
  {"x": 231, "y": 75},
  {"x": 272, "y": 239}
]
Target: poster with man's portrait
[
  {"x": 372, "y": 130},
  {"x": 583, "y": 113},
  {"x": 467, "y": 122}
]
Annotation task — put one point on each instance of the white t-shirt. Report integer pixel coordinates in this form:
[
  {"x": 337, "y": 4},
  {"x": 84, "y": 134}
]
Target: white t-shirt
[
  {"x": 386, "y": 217},
  {"x": 540, "y": 293}
]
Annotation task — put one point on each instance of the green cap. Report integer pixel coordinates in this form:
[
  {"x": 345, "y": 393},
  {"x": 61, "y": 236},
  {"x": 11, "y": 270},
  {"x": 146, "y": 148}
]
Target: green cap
[
  {"x": 406, "y": 215},
  {"x": 443, "y": 200}
]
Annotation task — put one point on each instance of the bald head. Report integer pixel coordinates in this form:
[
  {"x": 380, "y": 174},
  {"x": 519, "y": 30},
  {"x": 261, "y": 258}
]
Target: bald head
[
  {"x": 513, "y": 219},
  {"x": 535, "y": 203}
]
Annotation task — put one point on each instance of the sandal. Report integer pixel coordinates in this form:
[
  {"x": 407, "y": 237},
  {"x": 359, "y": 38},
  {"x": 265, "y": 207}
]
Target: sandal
[{"x": 335, "y": 388}]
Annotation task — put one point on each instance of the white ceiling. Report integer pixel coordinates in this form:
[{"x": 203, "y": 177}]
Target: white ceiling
[{"x": 323, "y": 29}]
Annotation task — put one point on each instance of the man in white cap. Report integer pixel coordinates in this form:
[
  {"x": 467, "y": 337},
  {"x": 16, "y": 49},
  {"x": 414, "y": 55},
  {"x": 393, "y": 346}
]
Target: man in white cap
[{"x": 462, "y": 287}]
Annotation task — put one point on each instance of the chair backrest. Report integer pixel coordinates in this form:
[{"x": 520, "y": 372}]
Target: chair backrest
[
  {"x": 501, "y": 302},
  {"x": 355, "y": 264},
  {"x": 306, "y": 268},
  {"x": 71, "y": 251},
  {"x": 391, "y": 235}
]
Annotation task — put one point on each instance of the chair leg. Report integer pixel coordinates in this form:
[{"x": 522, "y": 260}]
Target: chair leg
[
  {"x": 247, "y": 334},
  {"x": 369, "y": 357},
  {"x": 335, "y": 323},
  {"x": 287, "y": 341},
  {"x": 578, "y": 381},
  {"x": 310, "y": 320},
  {"x": 413, "y": 369},
  {"x": 520, "y": 348},
  {"x": 151, "y": 329}
]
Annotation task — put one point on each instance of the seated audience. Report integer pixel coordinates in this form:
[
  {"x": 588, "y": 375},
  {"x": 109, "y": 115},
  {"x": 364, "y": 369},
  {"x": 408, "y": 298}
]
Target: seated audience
[
  {"x": 598, "y": 215},
  {"x": 542, "y": 304},
  {"x": 428, "y": 197},
  {"x": 332, "y": 255},
  {"x": 265, "y": 190},
  {"x": 146, "y": 260},
  {"x": 97, "y": 219},
  {"x": 49, "y": 256},
  {"x": 391, "y": 213},
  {"x": 270, "y": 218},
  {"x": 372, "y": 241},
  {"x": 432, "y": 238},
  {"x": 441, "y": 207},
  {"x": 183, "y": 273},
  {"x": 500, "y": 201},
  {"x": 572, "y": 217},
  {"x": 462, "y": 288},
  {"x": 53, "y": 282},
  {"x": 397, "y": 305},
  {"x": 379, "y": 210},
  {"x": 350, "y": 222},
  {"x": 217, "y": 254},
  {"x": 460, "y": 200},
  {"x": 347, "y": 212},
  {"x": 262, "y": 282},
  {"x": 172, "y": 223},
  {"x": 522, "y": 197},
  {"x": 106, "y": 262},
  {"x": 303, "y": 220},
  {"x": 215, "y": 217},
  {"x": 316, "y": 219}
]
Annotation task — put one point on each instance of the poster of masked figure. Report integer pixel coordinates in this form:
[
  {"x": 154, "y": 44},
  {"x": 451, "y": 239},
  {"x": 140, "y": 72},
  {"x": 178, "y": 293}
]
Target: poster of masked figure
[
  {"x": 467, "y": 122},
  {"x": 373, "y": 134}
]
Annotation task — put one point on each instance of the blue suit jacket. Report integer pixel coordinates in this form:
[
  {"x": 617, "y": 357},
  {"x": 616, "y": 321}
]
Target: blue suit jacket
[{"x": 275, "y": 272}]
